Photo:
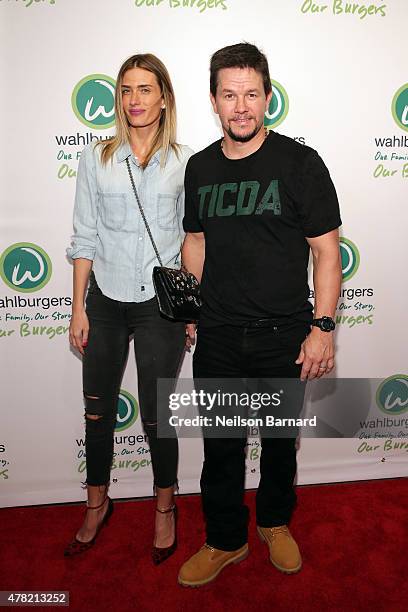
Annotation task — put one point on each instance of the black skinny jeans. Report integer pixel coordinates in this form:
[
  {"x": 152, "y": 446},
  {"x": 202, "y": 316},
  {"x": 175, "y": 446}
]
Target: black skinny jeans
[
  {"x": 247, "y": 352},
  {"x": 159, "y": 346}
]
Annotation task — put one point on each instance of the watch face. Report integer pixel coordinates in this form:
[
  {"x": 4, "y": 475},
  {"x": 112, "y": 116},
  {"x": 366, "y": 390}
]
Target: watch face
[{"x": 327, "y": 324}]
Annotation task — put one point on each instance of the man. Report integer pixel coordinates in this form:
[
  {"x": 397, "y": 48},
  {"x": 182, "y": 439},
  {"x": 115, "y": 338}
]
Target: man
[{"x": 255, "y": 204}]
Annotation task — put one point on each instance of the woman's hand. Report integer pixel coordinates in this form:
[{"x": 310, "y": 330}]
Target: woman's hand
[
  {"x": 78, "y": 330},
  {"x": 190, "y": 335}
]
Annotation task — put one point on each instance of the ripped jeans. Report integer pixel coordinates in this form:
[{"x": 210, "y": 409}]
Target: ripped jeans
[{"x": 159, "y": 346}]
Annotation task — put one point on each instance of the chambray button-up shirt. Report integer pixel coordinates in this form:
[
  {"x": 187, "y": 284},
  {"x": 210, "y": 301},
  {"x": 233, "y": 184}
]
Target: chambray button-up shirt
[{"x": 109, "y": 229}]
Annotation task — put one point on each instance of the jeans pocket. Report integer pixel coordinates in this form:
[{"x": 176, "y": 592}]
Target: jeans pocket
[
  {"x": 292, "y": 334},
  {"x": 93, "y": 288}
]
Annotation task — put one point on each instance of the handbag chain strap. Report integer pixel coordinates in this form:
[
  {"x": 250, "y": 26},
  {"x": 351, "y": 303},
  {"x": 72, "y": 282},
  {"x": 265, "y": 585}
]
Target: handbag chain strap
[{"x": 142, "y": 212}]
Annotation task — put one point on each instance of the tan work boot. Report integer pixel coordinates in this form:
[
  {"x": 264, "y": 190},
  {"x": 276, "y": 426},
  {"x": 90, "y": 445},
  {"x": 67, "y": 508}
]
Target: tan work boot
[
  {"x": 283, "y": 550},
  {"x": 207, "y": 563}
]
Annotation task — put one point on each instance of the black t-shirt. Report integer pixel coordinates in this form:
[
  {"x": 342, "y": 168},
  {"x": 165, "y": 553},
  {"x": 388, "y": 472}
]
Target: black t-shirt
[{"x": 255, "y": 213}]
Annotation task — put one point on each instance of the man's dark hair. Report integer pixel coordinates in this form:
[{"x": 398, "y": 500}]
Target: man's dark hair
[{"x": 242, "y": 55}]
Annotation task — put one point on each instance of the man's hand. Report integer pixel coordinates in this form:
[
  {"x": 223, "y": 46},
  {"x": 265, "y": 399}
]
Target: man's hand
[
  {"x": 316, "y": 354},
  {"x": 190, "y": 335}
]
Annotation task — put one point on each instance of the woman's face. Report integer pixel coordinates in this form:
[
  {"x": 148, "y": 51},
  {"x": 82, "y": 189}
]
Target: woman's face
[{"x": 142, "y": 99}]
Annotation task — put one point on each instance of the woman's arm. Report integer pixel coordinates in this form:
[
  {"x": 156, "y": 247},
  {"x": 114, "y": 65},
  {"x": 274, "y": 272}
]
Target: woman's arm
[
  {"x": 83, "y": 246},
  {"x": 79, "y": 326}
]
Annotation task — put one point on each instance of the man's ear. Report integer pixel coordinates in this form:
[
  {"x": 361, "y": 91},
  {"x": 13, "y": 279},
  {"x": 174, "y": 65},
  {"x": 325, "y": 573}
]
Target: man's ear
[
  {"x": 213, "y": 103},
  {"x": 268, "y": 100}
]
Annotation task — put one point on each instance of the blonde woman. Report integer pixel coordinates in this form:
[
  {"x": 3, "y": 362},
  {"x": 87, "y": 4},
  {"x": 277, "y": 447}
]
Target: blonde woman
[{"x": 112, "y": 251}]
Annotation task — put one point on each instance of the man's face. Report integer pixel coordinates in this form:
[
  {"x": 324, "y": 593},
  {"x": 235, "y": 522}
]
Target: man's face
[{"x": 240, "y": 102}]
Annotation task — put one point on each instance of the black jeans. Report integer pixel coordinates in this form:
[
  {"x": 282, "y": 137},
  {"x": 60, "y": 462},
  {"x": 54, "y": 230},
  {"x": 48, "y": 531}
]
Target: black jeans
[
  {"x": 247, "y": 352},
  {"x": 159, "y": 346}
]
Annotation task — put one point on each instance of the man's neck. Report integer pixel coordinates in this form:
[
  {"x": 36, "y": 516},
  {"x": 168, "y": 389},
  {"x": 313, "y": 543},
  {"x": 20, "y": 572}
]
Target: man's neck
[{"x": 234, "y": 149}]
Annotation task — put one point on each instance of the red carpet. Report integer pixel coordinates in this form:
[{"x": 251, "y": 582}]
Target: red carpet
[{"x": 353, "y": 538}]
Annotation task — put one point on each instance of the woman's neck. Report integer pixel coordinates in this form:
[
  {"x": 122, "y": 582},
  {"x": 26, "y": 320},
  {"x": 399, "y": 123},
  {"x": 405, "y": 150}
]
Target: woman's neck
[{"x": 141, "y": 140}]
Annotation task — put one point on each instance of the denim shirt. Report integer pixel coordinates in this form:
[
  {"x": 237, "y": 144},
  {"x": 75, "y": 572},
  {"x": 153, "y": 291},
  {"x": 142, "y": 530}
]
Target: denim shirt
[{"x": 109, "y": 229}]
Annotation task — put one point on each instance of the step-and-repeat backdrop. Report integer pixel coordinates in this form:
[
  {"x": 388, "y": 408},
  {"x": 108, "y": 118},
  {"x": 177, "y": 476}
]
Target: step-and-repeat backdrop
[{"x": 340, "y": 86}]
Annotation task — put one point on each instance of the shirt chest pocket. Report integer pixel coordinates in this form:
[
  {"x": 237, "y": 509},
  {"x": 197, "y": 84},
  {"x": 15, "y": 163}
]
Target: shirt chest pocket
[
  {"x": 167, "y": 211},
  {"x": 113, "y": 210}
]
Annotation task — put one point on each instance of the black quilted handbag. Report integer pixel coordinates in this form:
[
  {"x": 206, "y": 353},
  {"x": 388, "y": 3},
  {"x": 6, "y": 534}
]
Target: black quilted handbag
[
  {"x": 178, "y": 294},
  {"x": 177, "y": 291}
]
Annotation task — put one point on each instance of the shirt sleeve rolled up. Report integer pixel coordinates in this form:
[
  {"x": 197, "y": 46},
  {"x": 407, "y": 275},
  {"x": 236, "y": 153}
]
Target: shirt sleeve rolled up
[{"x": 83, "y": 241}]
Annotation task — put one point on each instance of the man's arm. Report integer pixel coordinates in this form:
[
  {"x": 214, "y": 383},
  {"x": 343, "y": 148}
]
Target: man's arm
[
  {"x": 192, "y": 258},
  {"x": 193, "y": 253},
  {"x": 317, "y": 351}
]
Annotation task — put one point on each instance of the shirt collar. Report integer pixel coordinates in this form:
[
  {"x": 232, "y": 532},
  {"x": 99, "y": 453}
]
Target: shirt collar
[{"x": 125, "y": 151}]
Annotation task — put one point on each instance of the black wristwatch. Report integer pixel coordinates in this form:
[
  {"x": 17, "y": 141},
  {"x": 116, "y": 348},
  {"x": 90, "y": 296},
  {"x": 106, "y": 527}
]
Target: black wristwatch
[{"x": 326, "y": 324}]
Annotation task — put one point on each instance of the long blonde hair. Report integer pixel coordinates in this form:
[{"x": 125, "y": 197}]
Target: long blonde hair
[{"x": 165, "y": 137}]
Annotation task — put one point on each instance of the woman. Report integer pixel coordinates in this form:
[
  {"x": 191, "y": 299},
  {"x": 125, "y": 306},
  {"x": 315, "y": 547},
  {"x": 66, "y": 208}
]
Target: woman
[{"x": 111, "y": 248}]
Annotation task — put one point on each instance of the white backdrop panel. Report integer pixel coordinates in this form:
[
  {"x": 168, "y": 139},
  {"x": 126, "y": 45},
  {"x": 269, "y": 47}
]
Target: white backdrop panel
[{"x": 340, "y": 71}]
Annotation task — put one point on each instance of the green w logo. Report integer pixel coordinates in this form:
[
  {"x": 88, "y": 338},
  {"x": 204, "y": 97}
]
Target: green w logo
[
  {"x": 93, "y": 101},
  {"x": 25, "y": 267}
]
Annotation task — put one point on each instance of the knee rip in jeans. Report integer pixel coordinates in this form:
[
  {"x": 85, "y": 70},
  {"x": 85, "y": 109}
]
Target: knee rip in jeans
[
  {"x": 92, "y": 417},
  {"x": 150, "y": 428}
]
